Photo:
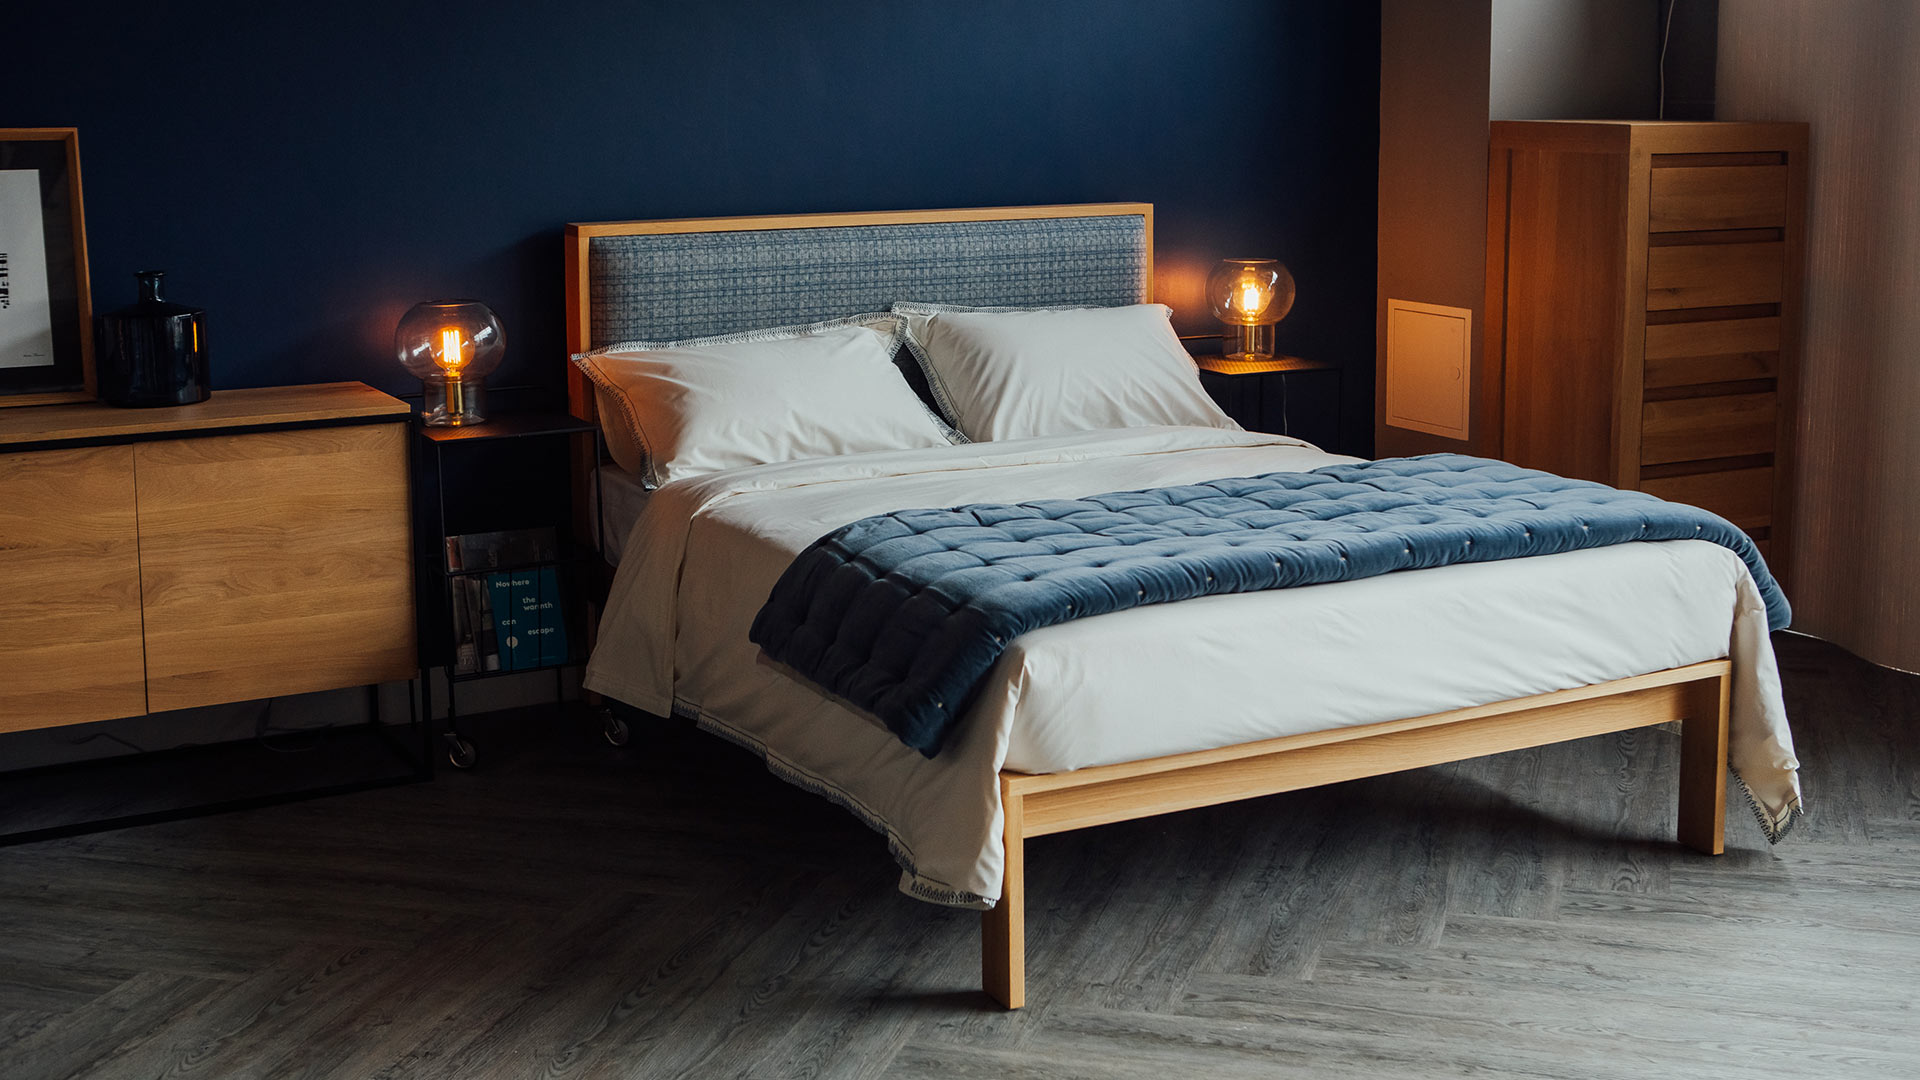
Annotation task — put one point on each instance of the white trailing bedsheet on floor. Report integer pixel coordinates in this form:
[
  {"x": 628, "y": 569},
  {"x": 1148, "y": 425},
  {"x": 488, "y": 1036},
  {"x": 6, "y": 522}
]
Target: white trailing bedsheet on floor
[{"x": 1148, "y": 681}]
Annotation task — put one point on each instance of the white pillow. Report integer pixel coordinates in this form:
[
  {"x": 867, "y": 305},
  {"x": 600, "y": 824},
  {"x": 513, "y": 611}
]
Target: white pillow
[
  {"x": 1010, "y": 374},
  {"x": 671, "y": 410}
]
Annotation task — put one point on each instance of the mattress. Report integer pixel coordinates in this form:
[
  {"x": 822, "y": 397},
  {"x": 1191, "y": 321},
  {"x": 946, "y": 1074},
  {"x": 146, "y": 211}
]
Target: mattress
[
  {"x": 1148, "y": 681},
  {"x": 625, "y": 496}
]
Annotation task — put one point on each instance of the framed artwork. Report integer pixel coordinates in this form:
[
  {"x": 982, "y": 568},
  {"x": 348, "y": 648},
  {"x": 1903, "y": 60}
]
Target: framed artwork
[{"x": 46, "y": 317}]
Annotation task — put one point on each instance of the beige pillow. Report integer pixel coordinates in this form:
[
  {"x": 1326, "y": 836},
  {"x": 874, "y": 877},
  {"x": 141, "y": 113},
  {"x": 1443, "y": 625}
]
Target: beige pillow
[
  {"x": 1010, "y": 374},
  {"x": 678, "y": 409}
]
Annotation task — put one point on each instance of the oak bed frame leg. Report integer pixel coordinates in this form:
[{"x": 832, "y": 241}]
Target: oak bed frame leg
[
  {"x": 1703, "y": 766},
  {"x": 1003, "y": 929}
]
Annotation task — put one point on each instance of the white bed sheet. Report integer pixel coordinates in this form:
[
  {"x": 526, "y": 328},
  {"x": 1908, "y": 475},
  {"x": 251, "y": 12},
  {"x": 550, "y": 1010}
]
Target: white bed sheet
[{"x": 1149, "y": 681}]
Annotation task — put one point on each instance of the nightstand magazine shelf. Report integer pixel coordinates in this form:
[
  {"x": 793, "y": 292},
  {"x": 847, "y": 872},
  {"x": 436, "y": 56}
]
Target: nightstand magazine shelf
[
  {"x": 529, "y": 606},
  {"x": 503, "y": 584}
]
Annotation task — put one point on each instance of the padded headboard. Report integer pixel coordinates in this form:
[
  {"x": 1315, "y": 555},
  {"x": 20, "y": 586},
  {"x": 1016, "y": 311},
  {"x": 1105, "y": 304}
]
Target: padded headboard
[{"x": 669, "y": 280}]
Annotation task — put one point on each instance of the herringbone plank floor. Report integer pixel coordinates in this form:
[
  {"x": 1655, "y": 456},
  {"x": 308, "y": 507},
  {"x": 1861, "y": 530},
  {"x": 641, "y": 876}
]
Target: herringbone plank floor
[{"x": 672, "y": 910}]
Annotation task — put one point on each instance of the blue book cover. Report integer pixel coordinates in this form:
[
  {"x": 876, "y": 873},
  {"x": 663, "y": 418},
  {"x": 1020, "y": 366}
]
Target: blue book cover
[
  {"x": 502, "y": 590},
  {"x": 526, "y": 607},
  {"x": 553, "y": 618},
  {"x": 540, "y": 614}
]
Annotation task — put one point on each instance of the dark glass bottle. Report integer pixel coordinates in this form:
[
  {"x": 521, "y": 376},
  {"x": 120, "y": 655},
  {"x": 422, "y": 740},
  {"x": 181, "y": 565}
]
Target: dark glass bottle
[{"x": 153, "y": 352}]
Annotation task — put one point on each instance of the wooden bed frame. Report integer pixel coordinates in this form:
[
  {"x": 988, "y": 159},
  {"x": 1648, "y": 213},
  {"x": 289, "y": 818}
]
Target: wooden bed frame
[{"x": 1695, "y": 696}]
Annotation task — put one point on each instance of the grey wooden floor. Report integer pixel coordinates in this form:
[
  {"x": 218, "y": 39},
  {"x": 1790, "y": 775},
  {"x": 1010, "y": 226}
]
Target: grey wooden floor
[{"x": 672, "y": 910}]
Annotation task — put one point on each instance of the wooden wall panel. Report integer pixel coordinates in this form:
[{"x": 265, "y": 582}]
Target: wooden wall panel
[
  {"x": 70, "y": 648},
  {"x": 1847, "y": 67},
  {"x": 275, "y": 563},
  {"x": 1431, "y": 239}
]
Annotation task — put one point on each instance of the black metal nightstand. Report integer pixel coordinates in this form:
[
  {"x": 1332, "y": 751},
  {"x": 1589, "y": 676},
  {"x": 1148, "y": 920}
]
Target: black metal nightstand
[
  {"x": 1256, "y": 394},
  {"x": 509, "y": 474}
]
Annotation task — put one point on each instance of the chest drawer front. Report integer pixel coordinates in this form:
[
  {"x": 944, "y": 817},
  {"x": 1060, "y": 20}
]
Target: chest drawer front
[
  {"x": 1723, "y": 350},
  {"x": 1717, "y": 197},
  {"x": 1742, "y": 496},
  {"x": 1696, "y": 429},
  {"x": 1714, "y": 275},
  {"x": 70, "y": 649},
  {"x": 275, "y": 563}
]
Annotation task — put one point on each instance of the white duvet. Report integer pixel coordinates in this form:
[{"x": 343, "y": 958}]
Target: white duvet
[{"x": 1149, "y": 681}]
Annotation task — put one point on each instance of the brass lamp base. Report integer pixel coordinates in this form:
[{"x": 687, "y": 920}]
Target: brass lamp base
[
  {"x": 452, "y": 402},
  {"x": 1249, "y": 342}
]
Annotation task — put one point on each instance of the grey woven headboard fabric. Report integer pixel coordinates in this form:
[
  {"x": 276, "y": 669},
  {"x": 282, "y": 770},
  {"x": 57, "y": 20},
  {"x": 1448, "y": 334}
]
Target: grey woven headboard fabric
[{"x": 665, "y": 287}]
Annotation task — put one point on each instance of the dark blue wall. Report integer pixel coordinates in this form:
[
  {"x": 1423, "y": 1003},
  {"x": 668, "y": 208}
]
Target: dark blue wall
[{"x": 305, "y": 172}]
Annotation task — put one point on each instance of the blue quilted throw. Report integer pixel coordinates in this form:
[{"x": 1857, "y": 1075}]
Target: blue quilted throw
[{"x": 903, "y": 614}]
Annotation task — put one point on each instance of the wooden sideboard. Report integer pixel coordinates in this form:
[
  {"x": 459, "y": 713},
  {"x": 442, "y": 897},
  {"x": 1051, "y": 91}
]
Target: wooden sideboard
[
  {"x": 254, "y": 545},
  {"x": 1643, "y": 306}
]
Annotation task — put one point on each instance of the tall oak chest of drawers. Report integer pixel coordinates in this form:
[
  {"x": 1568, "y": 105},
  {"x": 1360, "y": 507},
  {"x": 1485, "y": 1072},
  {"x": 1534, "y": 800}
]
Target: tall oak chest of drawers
[
  {"x": 1643, "y": 304},
  {"x": 253, "y": 545}
]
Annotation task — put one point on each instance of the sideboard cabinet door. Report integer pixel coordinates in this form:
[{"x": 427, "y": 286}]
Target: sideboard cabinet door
[
  {"x": 274, "y": 563},
  {"x": 69, "y": 589}
]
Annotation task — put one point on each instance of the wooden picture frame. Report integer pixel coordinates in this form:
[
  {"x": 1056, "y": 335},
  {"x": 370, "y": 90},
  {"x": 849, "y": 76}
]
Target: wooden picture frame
[{"x": 46, "y": 308}]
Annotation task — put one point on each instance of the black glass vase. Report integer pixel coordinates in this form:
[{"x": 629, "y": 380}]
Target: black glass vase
[{"x": 153, "y": 352}]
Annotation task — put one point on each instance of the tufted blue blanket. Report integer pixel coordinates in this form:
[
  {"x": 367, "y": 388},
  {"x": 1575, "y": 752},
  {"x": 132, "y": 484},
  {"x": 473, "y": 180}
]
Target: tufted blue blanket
[{"x": 903, "y": 614}]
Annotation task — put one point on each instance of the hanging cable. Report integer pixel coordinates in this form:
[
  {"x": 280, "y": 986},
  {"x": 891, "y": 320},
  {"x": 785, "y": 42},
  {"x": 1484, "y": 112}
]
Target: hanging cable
[{"x": 1666, "y": 35}]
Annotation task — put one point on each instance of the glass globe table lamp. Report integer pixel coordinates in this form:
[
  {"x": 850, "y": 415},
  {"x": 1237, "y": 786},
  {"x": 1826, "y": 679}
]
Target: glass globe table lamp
[
  {"x": 452, "y": 345},
  {"x": 1250, "y": 296}
]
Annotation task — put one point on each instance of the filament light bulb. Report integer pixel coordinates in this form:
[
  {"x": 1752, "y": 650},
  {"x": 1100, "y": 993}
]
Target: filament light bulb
[
  {"x": 450, "y": 351},
  {"x": 1252, "y": 298}
]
